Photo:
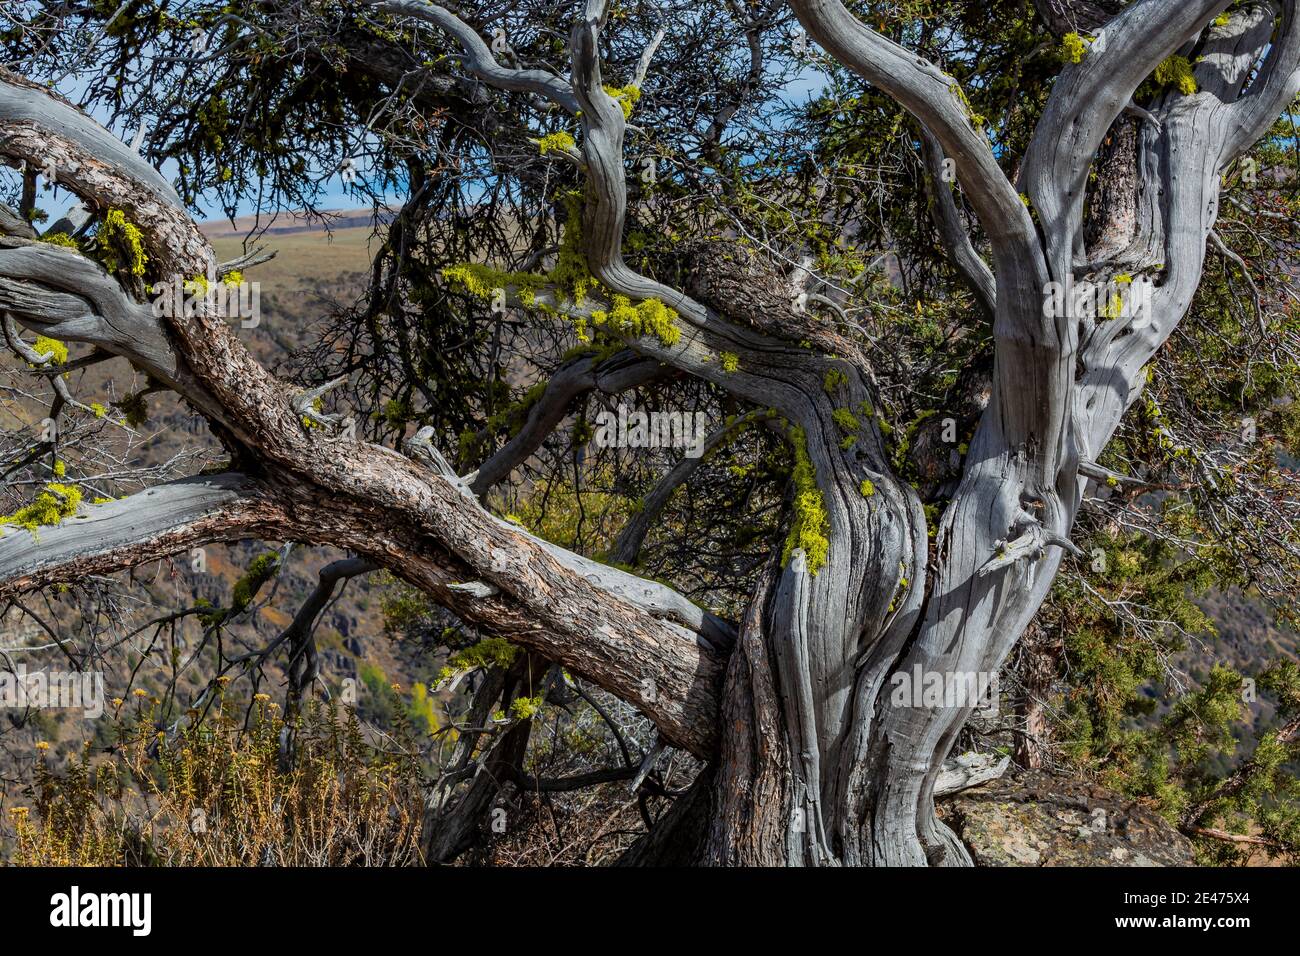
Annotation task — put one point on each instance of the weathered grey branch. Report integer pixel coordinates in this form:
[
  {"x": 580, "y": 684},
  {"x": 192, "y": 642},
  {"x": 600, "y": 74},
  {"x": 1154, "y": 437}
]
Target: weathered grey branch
[
  {"x": 630, "y": 539},
  {"x": 478, "y": 57},
  {"x": 956, "y": 239},
  {"x": 147, "y": 526},
  {"x": 619, "y": 373},
  {"x": 935, "y": 99},
  {"x": 967, "y": 771},
  {"x": 651, "y": 646}
]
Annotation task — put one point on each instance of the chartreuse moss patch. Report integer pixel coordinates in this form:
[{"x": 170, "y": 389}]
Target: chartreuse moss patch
[
  {"x": 809, "y": 528},
  {"x": 574, "y": 282},
  {"x": 56, "y": 502}
]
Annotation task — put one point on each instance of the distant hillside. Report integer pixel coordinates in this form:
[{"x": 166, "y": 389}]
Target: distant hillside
[
  {"x": 292, "y": 223},
  {"x": 318, "y": 268}
]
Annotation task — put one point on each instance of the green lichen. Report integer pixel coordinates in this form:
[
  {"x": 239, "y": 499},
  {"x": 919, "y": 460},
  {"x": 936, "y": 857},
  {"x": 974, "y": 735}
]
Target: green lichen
[
  {"x": 511, "y": 418},
  {"x": 835, "y": 378},
  {"x": 730, "y": 361},
  {"x": 1113, "y": 308},
  {"x": 808, "y": 530},
  {"x": 208, "y": 615},
  {"x": 571, "y": 274},
  {"x": 61, "y": 239},
  {"x": 121, "y": 244},
  {"x": 560, "y": 142},
  {"x": 649, "y": 317},
  {"x": 574, "y": 281},
  {"x": 489, "y": 652},
  {"x": 846, "y": 420},
  {"x": 867, "y": 488},
  {"x": 318, "y": 405},
  {"x": 482, "y": 281},
  {"x": 977, "y": 120},
  {"x": 261, "y": 570},
  {"x": 56, "y": 350},
  {"x": 396, "y": 412},
  {"x": 626, "y": 96},
  {"x": 56, "y": 502},
  {"x": 1073, "y": 48},
  {"x": 570, "y": 277},
  {"x": 1176, "y": 72},
  {"x": 522, "y": 708},
  {"x": 134, "y": 408}
]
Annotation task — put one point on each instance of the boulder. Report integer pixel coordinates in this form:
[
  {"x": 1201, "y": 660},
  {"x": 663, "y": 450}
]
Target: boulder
[{"x": 1039, "y": 819}]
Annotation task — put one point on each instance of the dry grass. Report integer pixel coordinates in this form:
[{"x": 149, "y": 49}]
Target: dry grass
[{"x": 216, "y": 794}]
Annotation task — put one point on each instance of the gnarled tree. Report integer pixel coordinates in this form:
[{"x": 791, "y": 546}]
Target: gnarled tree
[{"x": 879, "y": 571}]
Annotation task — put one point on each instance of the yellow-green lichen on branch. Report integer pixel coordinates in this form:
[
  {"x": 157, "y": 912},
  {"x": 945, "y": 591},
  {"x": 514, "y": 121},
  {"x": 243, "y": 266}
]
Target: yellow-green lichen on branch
[
  {"x": 1176, "y": 71},
  {"x": 523, "y": 708},
  {"x": 648, "y": 317},
  {"x": 57, "y": 351},
  {"x": 977, "y": 120},
  {"x": 56, "y": 502},
  {"x": 573, "y": 280},
  {"x": 489, "y": 652},
  {"x": 570, "y": 277},
  {"x": 482, "y": 281},
  {"x": 121, "y": 244},
  {"x": 808, "y": 531},
  {"x": 846, "y": 420},
  {"x": 261, "y": 570},
  {"x": 61, "y": 239},
  {"x": 1073, "y": 48},
  {"x": 848, "y": 423},
  {"x": 626, "y": 96},
  {"x": 560, "y": 142}
]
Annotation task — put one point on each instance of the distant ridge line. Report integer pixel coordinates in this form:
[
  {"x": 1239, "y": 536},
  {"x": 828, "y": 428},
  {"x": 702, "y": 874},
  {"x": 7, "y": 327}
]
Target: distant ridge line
[{"x": 294, "y": 223}]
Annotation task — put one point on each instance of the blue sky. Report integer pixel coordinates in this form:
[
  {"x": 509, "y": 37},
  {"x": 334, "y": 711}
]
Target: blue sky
[{"x": 809, "y": 82}]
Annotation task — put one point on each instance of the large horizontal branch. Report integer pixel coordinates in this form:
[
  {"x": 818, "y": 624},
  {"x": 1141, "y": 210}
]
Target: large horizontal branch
[
  {"x": 26, "y": 105},
  {"x": 635, "y": 638},
  {"x": 147, "y": 526}
]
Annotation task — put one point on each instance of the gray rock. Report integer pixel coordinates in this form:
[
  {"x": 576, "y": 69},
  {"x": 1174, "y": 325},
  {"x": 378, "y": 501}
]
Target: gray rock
[{"x": 1037, "y": 819}]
